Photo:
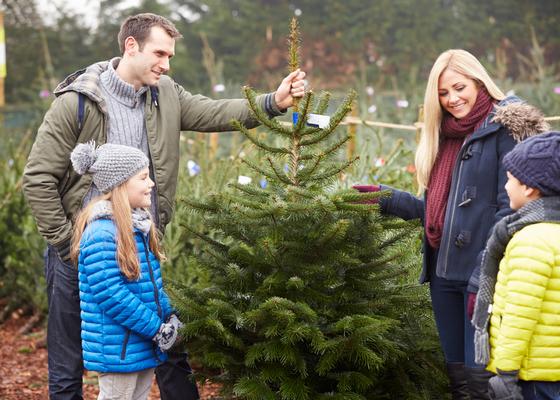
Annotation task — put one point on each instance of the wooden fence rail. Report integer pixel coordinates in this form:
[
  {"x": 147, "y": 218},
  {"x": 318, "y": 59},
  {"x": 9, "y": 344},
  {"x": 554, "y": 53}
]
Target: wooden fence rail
[{"x": 351, "y": 121}]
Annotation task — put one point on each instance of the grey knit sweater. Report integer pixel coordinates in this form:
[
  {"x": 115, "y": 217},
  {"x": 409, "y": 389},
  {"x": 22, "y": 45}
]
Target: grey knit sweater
[
  {"x": 125, "y": 108},
  {"x": 126, "y": 122}
]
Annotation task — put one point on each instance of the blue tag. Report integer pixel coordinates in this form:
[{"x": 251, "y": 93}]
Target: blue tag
[{"x": 295, "y": 117}]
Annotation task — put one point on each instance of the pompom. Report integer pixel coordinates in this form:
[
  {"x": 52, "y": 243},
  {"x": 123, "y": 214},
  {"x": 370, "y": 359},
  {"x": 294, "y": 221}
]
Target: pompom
[{"x": 83, "y": 157}]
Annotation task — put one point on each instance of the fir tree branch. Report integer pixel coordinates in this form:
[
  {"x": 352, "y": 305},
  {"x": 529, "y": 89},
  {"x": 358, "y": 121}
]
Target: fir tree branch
[
  {"x": 294, "y": 208},
  {"x": 262, "y": 117},
  {"x": 307, "y": 131},
  {"x": 271, "y": 253},
  {"x": 303, "y": 111},
  {"x": 343, "y": 109},
  {"x": 252, "y": 388},
  {"x": 353, "y": 196},
  {"x": 306, "y": 157},
  {"x": 279, "y": 173},
  {"x": 250, "y": 190},
  {"x": 334, "y": 232},
  {"x": 257, "y": 214},
  {"x": 323, "y": 134},
  {"x": 301, "y": 192},
  {"x": 221, "y": 257},
  {"x": 332, "y": 171},
  {"x": 336, "y": 146},
  {"x": 394, "y": 239},
  {"x": 199, "y": 206},
  {"x": 308, "y": 171},
  {"x": 262, "y": 171},
  {"x": 323, "y": 103},
  {"x": 249, "y": 203},
  {"x": 336, "y": 119},
  {"x": 395, "y": 223},
  {"x": 241, "y": 128},
  {"x": 360, "y": 208},
  {"x": 381, "y": 262},
  {"x": 222, "y": 247}
]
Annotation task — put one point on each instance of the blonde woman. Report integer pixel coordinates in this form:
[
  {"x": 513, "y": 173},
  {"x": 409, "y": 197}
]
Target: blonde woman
[
  {"x": 469, "y": 126},
  {"x": 127, "y": 321}
]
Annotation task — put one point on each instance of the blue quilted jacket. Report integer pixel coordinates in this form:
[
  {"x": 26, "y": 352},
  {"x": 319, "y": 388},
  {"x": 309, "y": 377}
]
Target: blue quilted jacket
[{"x": 119, "y": 317}]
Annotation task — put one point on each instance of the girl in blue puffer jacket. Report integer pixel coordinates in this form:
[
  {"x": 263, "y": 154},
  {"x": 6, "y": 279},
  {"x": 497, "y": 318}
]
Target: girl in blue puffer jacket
[{"x": 127, "y": 321}]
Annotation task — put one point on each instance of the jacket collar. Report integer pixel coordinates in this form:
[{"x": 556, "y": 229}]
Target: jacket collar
[
  {"x": 86, "y": 81},
  {"x": 118, "y": 89},
  {"x": 521, "y": 119},
  {"x": 141, "y": 218}
]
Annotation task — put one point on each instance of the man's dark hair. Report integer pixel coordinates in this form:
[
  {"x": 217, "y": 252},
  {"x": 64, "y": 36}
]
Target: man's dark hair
[{"x": 139, "y": 26}]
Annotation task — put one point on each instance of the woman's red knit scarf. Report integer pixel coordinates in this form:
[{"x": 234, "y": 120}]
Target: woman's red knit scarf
[{"x": 453, "y": 134}]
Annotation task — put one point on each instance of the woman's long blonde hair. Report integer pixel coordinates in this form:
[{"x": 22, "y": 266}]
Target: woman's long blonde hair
[
  {"x": 465, "y": 63},
  {"x": 127, "y": 252}
]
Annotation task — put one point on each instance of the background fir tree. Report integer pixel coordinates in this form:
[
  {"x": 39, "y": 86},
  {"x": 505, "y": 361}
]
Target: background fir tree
[{"x": 304, "y": 296}]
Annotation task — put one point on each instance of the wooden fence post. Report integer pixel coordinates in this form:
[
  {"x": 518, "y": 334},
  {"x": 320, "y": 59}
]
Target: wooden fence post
[
  {"x": 214, "y": 142},
  {"x": 351, "y": 148},
  {"x": 419, "y": 123},
  {"x": 2, "y": 59}
]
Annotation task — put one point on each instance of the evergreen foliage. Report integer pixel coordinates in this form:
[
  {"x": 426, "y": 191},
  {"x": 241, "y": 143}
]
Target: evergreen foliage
[
  {"x": 305, "y": 295},
  {"x": 21, "y": 247}
]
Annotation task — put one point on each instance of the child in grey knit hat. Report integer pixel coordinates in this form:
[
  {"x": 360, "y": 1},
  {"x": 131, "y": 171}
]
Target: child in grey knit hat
[
  {"x": 109, "y": 164},
  {"x": 517, "y": 311},
  {"x": 127, "y": 320}
]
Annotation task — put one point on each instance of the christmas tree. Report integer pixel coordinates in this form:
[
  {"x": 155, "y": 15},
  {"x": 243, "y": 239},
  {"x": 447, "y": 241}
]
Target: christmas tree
[{"x": 305, "y": 296}]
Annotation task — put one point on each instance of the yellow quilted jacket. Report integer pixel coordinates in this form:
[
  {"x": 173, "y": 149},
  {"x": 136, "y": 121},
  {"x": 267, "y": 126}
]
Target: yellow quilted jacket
[{"x": 525, "y": 321}]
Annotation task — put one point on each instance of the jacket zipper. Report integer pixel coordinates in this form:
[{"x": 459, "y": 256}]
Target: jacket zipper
[
  {"x": 125, "y": 343},
  {"x": 152, "y": 164},
  {"x": 448, "y": 224},
  {"x": 156, "y": 291}
]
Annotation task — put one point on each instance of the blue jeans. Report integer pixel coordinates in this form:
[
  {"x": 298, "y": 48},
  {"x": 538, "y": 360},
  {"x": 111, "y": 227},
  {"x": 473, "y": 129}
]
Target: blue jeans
[
  {"x": 538, "y": 390},
  {"x": 449, "y": 303},
  {"x": 64, "y": 342}
]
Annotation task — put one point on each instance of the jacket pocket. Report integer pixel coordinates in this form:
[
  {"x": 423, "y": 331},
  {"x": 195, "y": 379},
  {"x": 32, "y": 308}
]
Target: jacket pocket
[{"x": 125, "y": 343}]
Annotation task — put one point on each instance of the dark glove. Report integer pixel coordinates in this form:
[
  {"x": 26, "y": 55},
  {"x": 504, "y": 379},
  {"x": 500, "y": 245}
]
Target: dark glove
[
  {"x": 471, "y": 300},
  {"x": 167, "y": 333},
  {"x": 63, "y": 250},
  {"x": 504, "y": 386},
  {"x": 368, "y": 189}
]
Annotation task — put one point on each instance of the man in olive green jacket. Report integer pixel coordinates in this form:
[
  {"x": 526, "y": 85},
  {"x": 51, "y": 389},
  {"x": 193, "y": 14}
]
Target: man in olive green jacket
[{"x": 128, "y": 101}]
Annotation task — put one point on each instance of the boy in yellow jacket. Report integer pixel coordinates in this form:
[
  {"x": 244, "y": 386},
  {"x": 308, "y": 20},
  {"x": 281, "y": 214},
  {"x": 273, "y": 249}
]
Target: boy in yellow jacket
[{"x": 519, "y": 295}]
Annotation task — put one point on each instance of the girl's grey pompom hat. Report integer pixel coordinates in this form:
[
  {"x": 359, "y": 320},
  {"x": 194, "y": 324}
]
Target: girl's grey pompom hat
[{"x": 109, "y": 164}]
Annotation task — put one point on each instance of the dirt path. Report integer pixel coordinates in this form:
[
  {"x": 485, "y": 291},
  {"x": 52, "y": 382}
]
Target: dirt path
[{"x": 23, "y": 367}]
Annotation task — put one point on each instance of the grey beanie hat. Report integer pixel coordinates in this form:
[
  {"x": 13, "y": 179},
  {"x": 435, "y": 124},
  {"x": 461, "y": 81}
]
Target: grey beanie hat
[
  {"x": 109, "y": 164},
  {"x": 536, "y": 162}
]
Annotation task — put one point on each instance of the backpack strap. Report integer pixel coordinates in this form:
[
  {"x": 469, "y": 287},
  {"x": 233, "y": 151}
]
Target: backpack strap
[{"x": 81, "y": 111}]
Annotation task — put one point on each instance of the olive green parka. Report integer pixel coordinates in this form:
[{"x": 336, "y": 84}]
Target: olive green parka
[{"x": 55, "y": 192}]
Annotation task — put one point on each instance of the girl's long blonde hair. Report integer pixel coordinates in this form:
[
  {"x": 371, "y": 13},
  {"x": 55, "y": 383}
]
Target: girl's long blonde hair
[
  {"x": 127, "y": 252},
  {"x": 465, "y": 63}
]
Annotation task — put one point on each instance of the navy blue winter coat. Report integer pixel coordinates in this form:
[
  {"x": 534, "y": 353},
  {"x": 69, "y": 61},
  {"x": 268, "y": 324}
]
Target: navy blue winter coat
[
  {"x": 477, "y": 198},
  {"x": 119, "y": 317}
]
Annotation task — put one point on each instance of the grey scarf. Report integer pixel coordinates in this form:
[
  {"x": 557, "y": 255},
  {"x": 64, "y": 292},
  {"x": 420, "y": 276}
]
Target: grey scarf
[
  {"x": 141, "y": 218},
  {"x": 545, "y": 209}
]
